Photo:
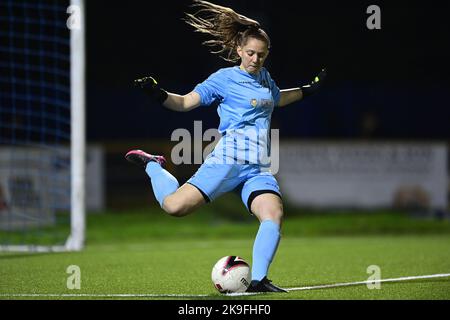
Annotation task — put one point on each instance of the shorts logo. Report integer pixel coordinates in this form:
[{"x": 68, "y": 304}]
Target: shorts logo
[
  {"x": 254, "y": 103},
  {"x": 272, "y": 185}
]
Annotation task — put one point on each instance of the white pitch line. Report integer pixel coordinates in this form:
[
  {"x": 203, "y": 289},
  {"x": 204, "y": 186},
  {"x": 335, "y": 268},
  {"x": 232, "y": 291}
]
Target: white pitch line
[
  {"x": 443, "y": 275},
  {"x": 112, "y": 295},
  {"x": 347, "y": 284},
  {"x": 144, "y": 295}
]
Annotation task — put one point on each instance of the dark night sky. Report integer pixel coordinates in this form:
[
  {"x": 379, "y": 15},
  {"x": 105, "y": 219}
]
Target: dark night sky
[{"x": 398, "y": 74}]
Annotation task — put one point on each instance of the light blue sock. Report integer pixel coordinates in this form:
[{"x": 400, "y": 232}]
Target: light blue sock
[
  {"x": 163, "y": 182},
  {"x": 264, "y": 248}
]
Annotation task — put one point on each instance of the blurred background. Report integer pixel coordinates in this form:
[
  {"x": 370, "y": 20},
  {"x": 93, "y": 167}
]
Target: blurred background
[
  {"x": 375, "y": 138},
  {"x": 363, "y": 165},
  {"x": 386, "y": 96}
]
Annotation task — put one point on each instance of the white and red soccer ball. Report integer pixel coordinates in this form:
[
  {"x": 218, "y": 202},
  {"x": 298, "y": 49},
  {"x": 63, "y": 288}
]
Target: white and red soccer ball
[{"x": 231, "y": 274}]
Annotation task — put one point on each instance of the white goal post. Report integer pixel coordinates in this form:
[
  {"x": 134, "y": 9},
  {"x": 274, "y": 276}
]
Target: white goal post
[
  {"x": 75, "y": 240},
  {"x": 78, "y": 133}
]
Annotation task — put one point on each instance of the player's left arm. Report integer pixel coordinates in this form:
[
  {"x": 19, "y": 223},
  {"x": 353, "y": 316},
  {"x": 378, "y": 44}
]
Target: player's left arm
[{"x": 288, "y": 96}]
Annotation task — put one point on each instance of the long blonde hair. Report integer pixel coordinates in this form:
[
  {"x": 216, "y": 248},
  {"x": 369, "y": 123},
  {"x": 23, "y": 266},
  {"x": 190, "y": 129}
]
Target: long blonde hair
[{"x": 227, "y": 28}]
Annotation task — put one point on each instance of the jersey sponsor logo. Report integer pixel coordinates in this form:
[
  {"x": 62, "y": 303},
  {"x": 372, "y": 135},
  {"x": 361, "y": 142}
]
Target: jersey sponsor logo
[
  {"x": 263, "y": 103},
  {"x": 259, "y": 85}
]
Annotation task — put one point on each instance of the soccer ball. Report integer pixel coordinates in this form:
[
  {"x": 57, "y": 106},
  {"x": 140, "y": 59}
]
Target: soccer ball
[{"x": 231, "y": 274}]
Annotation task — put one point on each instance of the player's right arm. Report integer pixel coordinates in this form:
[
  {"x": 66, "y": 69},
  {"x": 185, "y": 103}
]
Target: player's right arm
[
  {"x": 184, "y": 103},
  {"x": 171, "y": 101}
]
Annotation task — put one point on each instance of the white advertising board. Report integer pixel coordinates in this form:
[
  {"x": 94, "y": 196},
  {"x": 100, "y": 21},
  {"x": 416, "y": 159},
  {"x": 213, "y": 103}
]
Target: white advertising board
[
  {"x": 35, "y": 184},
  {"x": 366, "y": 175}
]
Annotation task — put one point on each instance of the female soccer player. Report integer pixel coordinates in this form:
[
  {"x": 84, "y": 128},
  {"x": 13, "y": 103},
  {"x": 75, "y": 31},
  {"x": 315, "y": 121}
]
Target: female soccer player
[{"x": 246, "y": 96}]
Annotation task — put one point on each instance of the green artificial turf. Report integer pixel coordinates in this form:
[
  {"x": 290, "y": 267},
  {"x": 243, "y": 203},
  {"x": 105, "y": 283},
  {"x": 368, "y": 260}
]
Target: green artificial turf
[{"x": 158, "y": 256}]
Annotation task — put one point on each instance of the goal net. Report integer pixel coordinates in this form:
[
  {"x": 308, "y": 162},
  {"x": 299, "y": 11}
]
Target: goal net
[{"x": 42, "y": 143}]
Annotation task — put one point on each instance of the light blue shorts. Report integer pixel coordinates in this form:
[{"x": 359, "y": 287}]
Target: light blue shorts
[{"x": 214, "y": 179}]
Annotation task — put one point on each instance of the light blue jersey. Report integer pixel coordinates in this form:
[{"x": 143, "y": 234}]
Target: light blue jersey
[
  {"x": 241, "y": 159},
  {"x": 245, "y": 99},
  {"x": 246, "y": 103}
]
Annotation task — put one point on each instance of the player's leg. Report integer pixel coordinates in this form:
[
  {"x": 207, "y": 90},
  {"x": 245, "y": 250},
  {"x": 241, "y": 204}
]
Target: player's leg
[
  {"x": 210, "y": 181},
  {"x": 262, "y": 197},
  {"x": 267, "y": 206},
  {"x": 174, "y": 200},
  {"x": 184, "y": 201}
]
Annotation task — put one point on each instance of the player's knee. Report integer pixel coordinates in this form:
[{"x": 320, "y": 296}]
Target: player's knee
[
  {"x": 268, "y": 210},
  {"x": 274, "y": 213},
  {"x": 174, "y": 207}
]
